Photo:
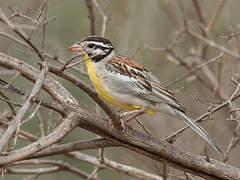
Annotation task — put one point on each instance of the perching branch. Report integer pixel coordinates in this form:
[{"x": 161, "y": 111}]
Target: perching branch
[{"x": 131, "y": 139}]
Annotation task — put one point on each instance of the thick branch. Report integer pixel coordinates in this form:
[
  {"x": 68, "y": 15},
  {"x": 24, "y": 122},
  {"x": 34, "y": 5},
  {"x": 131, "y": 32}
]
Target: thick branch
[
  {"x": 58, "y": 93},
  {"x": 75, "y": 146},
  {"x": 130, "y": 138},
  {"x": 158, "y": 150},
  {"x": 61, "y": 131}
]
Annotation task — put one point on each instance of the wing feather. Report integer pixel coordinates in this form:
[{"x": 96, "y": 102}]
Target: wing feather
[{"x": 143, "y": 83}]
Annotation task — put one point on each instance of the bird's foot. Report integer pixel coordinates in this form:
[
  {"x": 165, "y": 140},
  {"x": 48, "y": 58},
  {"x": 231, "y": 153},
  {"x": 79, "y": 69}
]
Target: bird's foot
[
  {"x": 122, "y": 122},
  {"x": 124, "y": 117}
]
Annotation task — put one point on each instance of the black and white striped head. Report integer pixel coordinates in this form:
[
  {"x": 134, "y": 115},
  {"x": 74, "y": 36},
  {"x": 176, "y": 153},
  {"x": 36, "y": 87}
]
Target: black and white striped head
[{"x": 95, "y": 47}]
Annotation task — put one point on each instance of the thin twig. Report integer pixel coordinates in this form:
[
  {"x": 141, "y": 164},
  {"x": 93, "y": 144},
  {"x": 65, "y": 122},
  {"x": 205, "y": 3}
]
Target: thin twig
[
  {"x": 105, "y": 19},
  {"x": 215, "y": 15},
  {"x": 41, "y": 126},
  {"x": 195, "y": 69},
  {"x": 214, "y": 45},
  {"x": 235, "y": 139},
  {"x": 91, "y": 16},
  {"x": 11, "y": 102},
  {"x": 6, "y": 99},
  {"x": 172, "y": 137},
  {"x": 55, "y": 166},
  {"x": 32, "y": 114},
  {"x": 143, "y": 127},
  {"x": 69, "y": 61},
  {"x": 45, "y": 54},
  {"x": 24, "y": 134},
  {"x": 129, "y": 170},
  {"x": 6, "y": 85},
  {"x": 20, "y": 33},
  {"x": 74, "y": 146},
  {"x": 16, "y": 121}
]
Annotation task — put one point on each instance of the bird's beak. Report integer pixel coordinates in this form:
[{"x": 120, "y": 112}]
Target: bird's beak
[{"x": 77, "y": 48}]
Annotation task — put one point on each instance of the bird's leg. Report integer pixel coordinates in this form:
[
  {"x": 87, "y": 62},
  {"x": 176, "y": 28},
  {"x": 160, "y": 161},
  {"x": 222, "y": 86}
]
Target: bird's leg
[
  {"x": 138, "y": 112},
  {"x": 124, "y": 114},
  {"x": 117, "y": 113},
  {"x": 121, "y": 120},
  {"x": 134, "y": 113},
  {"x": 123, "y": 124}
]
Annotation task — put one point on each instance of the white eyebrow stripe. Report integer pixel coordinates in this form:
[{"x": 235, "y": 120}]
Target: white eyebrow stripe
[{"x": 100, "y": 44}]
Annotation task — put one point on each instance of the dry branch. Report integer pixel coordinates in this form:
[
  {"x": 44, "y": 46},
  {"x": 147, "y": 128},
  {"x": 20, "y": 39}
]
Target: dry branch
[
  {"x": 17, "y": 120},
  {"x": 129, "y": 170},
  {"x": 55, "y": 166},
  {"x": 75, "y": 146},
  {"x": 131, "y": 139}
]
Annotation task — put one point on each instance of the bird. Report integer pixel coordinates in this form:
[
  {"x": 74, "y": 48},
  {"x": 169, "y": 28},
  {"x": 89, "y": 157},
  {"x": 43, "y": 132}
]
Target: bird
[{"x": 129, "y": 85}]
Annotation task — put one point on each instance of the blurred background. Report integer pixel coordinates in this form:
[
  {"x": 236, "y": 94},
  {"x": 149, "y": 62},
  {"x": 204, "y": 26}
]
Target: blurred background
[{"x": 142, "y": 30}]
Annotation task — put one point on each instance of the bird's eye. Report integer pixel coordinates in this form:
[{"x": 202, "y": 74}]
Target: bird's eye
[
  {"x": 78, "y": 43},
  {"x": 90, "y": 45}
]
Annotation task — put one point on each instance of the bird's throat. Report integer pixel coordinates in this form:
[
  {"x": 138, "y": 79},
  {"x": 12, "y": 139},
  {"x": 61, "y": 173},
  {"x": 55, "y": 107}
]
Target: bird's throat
[{"x": 96, "y": 79}]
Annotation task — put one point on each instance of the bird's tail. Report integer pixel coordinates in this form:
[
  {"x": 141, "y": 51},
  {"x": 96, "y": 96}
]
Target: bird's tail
[{"x": 197, "y": 128}]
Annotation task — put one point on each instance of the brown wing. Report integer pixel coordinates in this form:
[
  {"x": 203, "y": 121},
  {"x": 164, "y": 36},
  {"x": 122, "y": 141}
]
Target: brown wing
[{"x": 156, "y": 92}]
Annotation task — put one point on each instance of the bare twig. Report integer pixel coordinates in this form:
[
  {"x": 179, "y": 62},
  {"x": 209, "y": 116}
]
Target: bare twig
[
  {"x": 143, "y": 127},
  {"x": 214, "y": 45},
  {"x": 195, "y": 69},
  {"x": 16, "y": 13},
  {"x": 91, "y": 16},
  {"x": 200, "y": 17},
  {"x": 103, "y": 16},
  {"x": 235, "y": 139},
  {"x": 6, "y": 85},
  {"x": 24, "y": 121},
  {"x": 6, "y": 99},
  {"x": 55, "y": 166},
  {"x": 73, "y": 146},
  {"x": 38, "y": 16},
  {"x": 41, "y": 127},
  {"x": 16, "y": 122},
  {"x": 11, "y": 102},
  {"x": 129, "y": 170},
  {"x": 215, "y": 15},
  {"x": 36, "y": 171},
  {"x": 20, "y": 33},
  {"x": 44, "y": 53},
  {"x": 182, "y": 63},
  {"x": 33, "y": 113},
  {"x": 69, "y": 61},
  {"x": 131, "y": 139},
  {"x": 173, "y": 136},
  {"x": 23, "y": 134}
]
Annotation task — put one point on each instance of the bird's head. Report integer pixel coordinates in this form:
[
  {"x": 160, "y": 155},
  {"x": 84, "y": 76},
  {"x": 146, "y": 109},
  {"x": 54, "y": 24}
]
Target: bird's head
[{"x": 96, "y": 48}]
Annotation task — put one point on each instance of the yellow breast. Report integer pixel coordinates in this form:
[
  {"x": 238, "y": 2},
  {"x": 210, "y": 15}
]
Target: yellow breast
[{"x": 98, "y": 84}]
